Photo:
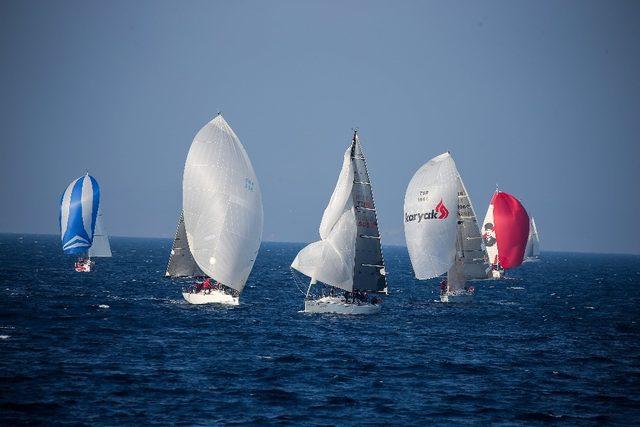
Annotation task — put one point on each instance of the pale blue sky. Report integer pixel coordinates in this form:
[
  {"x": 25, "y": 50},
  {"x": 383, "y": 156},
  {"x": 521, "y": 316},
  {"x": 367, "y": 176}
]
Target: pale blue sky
[{"x": 540, "y": 97}]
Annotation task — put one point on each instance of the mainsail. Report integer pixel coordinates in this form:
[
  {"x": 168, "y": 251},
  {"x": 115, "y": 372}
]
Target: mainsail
[
  {"x": 469, "y": 247},
  {"x": 349, "y": 254},
  {"x": 100, "y": 246},
  {"x": 505, "y": 230},
  {"x": 222, "y": 205},
  {"x": 79, "y": 206},
  {"x": 533, "y": 242},
  {"x": 181, "y": 262}
]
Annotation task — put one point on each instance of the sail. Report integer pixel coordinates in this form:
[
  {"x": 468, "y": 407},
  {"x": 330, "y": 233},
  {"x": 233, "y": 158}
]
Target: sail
[
  {"x": 430, "y": 229},
  {"x": 489, "y": 234},
  {"x": 369, "y": 271},
  {"x": 332, "y": 259},
  {"x": 181, "y": 262},
  {"x": 349, "y": 256},
  {"x": 222, "y": 205},
  {"x": 100, "y": 247},
  {"x": 78, "y": 211},
  {"x": 469, "y": 241},
  {"x": 510, "y": 229},
  {"x": 533, "y": 242},
  {"x": 456, "y": 278}
]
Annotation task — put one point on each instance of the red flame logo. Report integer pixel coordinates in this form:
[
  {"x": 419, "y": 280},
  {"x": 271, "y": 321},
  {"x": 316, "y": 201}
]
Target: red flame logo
[{"x": 442, "y": 210}]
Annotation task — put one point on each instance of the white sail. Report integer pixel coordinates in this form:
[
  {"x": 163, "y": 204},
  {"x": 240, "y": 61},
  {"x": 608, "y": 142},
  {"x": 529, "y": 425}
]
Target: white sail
[
  {"x": 430, "y": 220},
  {"x": 470, "y": 248},
  {"x": 489, "y": 235},
  {"x": 100, "y": 246},
  {"x": 332, "y": 259},
  {"x": 222, "y": 205},
  {"x": 533, "y": 243}
]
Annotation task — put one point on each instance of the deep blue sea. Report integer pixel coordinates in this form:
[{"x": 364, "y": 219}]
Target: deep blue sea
[{"x": 559, "y": 341}]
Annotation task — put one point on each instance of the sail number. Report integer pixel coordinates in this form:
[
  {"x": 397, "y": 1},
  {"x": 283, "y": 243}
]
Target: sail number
[{"x": 248, "y": 184}]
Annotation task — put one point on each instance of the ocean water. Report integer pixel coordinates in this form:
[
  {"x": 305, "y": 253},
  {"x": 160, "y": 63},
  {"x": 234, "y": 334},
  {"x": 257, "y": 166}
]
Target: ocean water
[{"x": 558, "y": 341}]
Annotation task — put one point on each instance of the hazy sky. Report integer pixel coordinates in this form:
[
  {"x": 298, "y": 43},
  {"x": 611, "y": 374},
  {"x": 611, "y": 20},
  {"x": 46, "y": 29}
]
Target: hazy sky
[{"x": 542, "y": 98}]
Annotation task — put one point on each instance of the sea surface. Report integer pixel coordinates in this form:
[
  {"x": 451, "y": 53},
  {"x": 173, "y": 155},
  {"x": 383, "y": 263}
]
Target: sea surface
[{"x": 558, "y": 341}]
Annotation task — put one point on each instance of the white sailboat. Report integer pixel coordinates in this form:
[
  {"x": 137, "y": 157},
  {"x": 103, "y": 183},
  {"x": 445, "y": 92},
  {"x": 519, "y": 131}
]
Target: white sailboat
[
  {"x": 532, "y": 251},
  {"x": 346, "y": 264},
  {"x": 439, "y": 242},
  {"x": 81, "y": 229},
  {"x": 222, "y": 208}
]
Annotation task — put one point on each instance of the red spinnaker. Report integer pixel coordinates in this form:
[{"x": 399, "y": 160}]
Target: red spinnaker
[{"x": 512, "y": 229}]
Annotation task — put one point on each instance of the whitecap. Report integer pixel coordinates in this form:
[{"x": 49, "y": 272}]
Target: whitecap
[
  {"x": 4, "y": 337},
  {"x": 103, "y": 306},
  {"x": 515, "y": 287}
]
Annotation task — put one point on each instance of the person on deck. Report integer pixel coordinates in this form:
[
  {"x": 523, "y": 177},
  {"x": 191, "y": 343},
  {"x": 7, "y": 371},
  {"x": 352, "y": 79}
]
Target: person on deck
[{"x": 443, "y": 287}]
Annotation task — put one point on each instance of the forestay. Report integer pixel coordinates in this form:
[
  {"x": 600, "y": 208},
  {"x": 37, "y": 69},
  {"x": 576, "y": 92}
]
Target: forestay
[
  {"x": 430, "y": 229},
  {"x": 100, "y": 246},
  {"x": 78, "y": 211},
  {"x": 222, "y": 205},
  {"x": 181, "y": 262}
]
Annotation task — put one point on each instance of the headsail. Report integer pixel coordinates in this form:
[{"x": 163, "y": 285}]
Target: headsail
[
  {"x": 430, "y": 229},
  {"x": 222, "y": 205},
  {"x": 181, "y": 262},
  {"x": 78, "y": 211},
  {"x": 349, "y": 256},
  {"x": 100, "y": 246}
]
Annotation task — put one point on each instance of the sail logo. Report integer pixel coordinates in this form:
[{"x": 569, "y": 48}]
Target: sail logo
[
  {"x": 489, "y": 235},
  {"x": 440, "y": 212}
]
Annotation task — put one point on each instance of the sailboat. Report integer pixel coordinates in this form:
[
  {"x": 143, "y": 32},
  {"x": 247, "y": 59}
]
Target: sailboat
[
  {"x": 346, "y": 265},
  {"x": 181, "y": 262},
  {"x": 222, "y": 213},
  {"x": 81, "y": 223},
  {"x": 505, "y": 232},
  {"x": 439, "y": 242},
  {"x": 532, "y": 251}
]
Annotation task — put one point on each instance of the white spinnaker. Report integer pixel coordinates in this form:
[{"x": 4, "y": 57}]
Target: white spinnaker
[
  {"x": 332, "y": 259},
  {"x": 100, "y": 246},
  {"x": 431, "y": 241},
  {"x": 222, "y": 205},
  {"x": 489, "y": 235}
]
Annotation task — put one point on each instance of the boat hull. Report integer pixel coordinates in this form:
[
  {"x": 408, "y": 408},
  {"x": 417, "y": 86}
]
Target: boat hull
[
  {"x": 457, "y": 297},
  {"x": 210, "y": 297},
  {"x": 84, "y": 268},
  {"x": 339, "y": 306},
  {"x": 496, "y": 274}
]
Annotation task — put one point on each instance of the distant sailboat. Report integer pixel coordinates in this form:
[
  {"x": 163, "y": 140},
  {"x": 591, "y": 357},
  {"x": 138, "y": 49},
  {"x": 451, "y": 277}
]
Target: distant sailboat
[
  {"x": 81, "y": 223},
  {"x": 505, "y": 232},
  {"x": 439, "y": 242},
  {"x": 222, "y": 208},
  {"x": 532, "y": 251},
  {"x": 349, "y": 255},
  {"x": 181, "y": 262}
]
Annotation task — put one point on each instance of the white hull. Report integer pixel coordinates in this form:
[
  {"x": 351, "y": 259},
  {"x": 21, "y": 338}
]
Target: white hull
[
  {"x": 84, "y": 268},
  {"x": 496, "y": 274},
  {"x": 337, "y": 305},
  {"x": 210, "y": 297},
  {"x": 457, "y": 297}
]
